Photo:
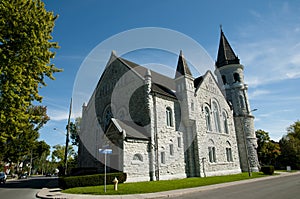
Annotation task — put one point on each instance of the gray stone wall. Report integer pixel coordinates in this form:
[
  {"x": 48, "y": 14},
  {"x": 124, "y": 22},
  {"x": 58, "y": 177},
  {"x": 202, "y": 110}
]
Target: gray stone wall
[
  {"x": 90, "y": 137},
  {"x": 173, "y": 165},
  {"x": 136, "y": 160},
  {"x": 207, "y": 94},
  {"x": 248, "y": 153}
]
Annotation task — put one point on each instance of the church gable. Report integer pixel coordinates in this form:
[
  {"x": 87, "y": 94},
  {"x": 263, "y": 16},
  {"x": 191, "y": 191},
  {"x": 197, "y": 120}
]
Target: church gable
[
  {"x": 208, "y": 83},
  {"x": 118, "y": 79}
]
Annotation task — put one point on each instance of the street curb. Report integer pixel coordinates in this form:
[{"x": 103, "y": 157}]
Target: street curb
[{"x": 56, "y": 193}]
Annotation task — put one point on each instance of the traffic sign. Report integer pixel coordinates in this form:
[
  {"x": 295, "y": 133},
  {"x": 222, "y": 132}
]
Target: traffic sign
[{"x": 105, "y": 151}]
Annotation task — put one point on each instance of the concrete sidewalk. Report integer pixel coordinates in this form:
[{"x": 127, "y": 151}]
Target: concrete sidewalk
[{"x": 57, "y": 194}]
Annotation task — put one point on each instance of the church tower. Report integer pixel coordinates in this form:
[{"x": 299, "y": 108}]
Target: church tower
[
  {"x": 230, "y": 75},
  {"x": 185, "y": 92}
]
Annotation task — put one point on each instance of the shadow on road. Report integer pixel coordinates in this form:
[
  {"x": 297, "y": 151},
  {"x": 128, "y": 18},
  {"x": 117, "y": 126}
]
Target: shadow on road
[{"x": 34, "y": 183}]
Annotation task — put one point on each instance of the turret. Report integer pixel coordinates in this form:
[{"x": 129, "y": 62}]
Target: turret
[
  {"x": 230, "y": 75},
  {"x": 185, "y": 88}
]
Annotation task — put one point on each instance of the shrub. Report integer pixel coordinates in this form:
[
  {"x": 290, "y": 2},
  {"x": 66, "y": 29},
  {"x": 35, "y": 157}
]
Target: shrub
[
  {"x": 90, "y": 180},
  {"x": 268, "y": 170}
]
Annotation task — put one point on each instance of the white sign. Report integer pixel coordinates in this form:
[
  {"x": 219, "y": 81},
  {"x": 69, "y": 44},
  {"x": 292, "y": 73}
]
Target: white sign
[{"x": 105, "y": 151}]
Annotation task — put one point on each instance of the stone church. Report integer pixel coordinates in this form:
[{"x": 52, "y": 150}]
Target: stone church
[{"x": 165, "y": 128}]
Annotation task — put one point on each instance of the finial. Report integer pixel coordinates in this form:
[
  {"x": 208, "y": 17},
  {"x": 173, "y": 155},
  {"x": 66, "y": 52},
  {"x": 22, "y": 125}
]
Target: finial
[
  {"x": 114, "y": 53},
  {"x": 221, "y": 27}
]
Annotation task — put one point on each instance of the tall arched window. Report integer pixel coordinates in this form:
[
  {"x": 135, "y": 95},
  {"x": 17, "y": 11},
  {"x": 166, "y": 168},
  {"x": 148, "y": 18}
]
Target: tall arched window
[
  {"x": 169, "y": 116},
  {"x": 212, "y": 152},
  {"x": 229, "y": 152},
  {"x": 207, "y": 118},
  {"x": 242, "y": 101},
  {"x": 216, "y": 117},
  {"x": 107, "y": 115},
  {"x": 225, "y": 122},
  {"x": 224, "y": 79}
]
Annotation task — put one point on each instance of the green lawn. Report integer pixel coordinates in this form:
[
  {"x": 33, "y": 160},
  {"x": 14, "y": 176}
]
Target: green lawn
[{"x": 157, "y": 186}]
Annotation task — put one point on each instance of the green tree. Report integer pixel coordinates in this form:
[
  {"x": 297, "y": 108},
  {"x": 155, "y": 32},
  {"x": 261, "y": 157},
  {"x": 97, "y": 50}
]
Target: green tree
[
  {"x": 74, "y": 131},
  {"x": 20, "y": 148},
  {"x": 58, "y": 155},
  {"x": 39, "y": 154},
  {"x": 26, "y": 49},
  {"x": 290, "y": 147},
  {"x": 267, "y": 150}
]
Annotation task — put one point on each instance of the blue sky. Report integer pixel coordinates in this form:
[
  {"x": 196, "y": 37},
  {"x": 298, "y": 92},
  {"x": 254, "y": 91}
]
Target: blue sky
[{"x": 264, "y": 34}]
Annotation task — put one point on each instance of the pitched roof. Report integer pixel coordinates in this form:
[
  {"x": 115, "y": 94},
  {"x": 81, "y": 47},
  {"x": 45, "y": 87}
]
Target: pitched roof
[
  {"x": 157, "y": 88},
  {"x": 198, "y": 81},
  {"x": 182, "y": 67},
  {"x": 156, "y": 77},
  {"x": 130, "y": 129},
  {"x": 225, "y": 53}
]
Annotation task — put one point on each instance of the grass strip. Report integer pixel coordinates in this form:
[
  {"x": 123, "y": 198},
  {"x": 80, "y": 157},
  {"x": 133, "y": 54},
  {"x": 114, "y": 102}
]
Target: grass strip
[{"x": 158, "y": 186}]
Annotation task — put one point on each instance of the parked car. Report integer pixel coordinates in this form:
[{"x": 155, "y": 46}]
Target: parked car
[
  {"x": 23, "y": 176},
  {"x": 3, "y": 177}
]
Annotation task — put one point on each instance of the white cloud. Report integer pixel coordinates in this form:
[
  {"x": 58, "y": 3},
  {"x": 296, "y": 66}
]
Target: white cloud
[
  {"x": 269, "y": 45},
  {"x": 257, "y": 93},
  {"x": 58, "y": 115}
]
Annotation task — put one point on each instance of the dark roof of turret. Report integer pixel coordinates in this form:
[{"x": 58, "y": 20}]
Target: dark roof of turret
[
  {"x": 182, "y": 67},
  {"x": 225, "y": 53}
]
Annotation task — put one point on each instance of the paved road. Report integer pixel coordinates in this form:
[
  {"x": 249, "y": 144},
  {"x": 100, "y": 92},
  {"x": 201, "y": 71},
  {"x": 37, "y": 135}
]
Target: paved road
[
  {"x": 26, "y": 188},
  {"x": 287, "y": 187}
]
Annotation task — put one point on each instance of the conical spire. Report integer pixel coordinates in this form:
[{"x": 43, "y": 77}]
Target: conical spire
[
  {"x": 225, "y": 53},
  {"x": 182, "y": 67}
]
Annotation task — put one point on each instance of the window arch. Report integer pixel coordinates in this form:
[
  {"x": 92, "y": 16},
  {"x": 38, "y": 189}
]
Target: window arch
[
  {"x": 225, "y": 122},
  {"x": 216, "y": 115},
  {"x": 169, "y": 118},
  {"x": 229, "y": 152},
  {"x": 137, "y": 157},
  {"x": 224, "y": 79},
  {"x": 107, "y": 115},
  {"x": 242, "y": 101},
  {"x": 211, "y": 152},
  {"x": 121, "y": 113},
  {"x": 236, "y": 77},
  {"x": 207, "y": 119}
]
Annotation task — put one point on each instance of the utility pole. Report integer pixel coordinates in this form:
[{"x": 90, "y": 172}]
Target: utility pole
[{"x": 67, "y": 139}]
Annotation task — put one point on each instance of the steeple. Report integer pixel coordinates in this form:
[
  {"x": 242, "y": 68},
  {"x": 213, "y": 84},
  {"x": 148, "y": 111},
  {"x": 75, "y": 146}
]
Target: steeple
[
  {"x": 182, "y": 67},
  {"x": 226, "y": 55}
]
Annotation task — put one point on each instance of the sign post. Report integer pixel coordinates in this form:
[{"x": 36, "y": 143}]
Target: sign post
[{"x": 105, "y": 151}]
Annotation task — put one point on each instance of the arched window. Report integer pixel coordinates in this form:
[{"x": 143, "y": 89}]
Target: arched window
[
  {"x": 107, "y": 115},
  {"x": 236, "y": 77},
  {"x": 207, "y": 118},
  {"x": 138, "y": 157},
  {"x": 212, "y": 152},
  {"x": 216, "y": 117},
  {"x": 169, "y": 116},
  {"x": 224, "y": 79},
  {"x": 121, "y": 114},
  {"x": 225, "y": 122},
  {"x": 242, "y": 101},
  {"x": 229, "y": 152}
]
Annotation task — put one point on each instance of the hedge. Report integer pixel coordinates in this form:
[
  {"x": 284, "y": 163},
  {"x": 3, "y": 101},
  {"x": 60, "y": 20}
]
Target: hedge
[
  {"x": 90, "y": 180},
  {"x": 268, "y": 170}
]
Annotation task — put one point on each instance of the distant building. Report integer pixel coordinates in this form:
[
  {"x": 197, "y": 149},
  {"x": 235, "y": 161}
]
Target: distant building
[{"x": 164, "y": 128}]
